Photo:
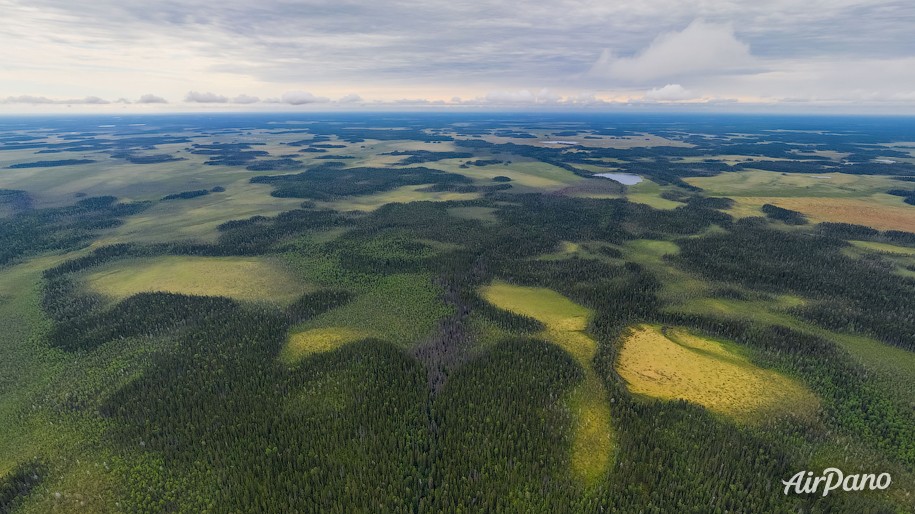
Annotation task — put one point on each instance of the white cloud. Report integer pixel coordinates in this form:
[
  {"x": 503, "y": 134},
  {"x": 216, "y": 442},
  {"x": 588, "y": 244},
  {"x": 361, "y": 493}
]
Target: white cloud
[
  {"x": 205, "y": 98},
  {"x": 302, "y": 98},
  {"x": 28, "y": 99},
  {"x": 669, "y": 93},
  {"x": 151, "y": 99},
  {"x": 43, "y": 100},
  {"x": 245, "y": 99},
  {"x": 523, "y": 96},
  {"x": 350, "y": 98},
  {"x": 510, "y": 97},
  {"x": 700, "y": 48}
]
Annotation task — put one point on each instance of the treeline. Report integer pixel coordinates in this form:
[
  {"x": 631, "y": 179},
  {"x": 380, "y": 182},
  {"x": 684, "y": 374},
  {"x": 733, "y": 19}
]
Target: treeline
[
  {"x": 186, "y": 195},
  {"x": 854, "y": 404},
  {"x": 786, "y": 216},
  {"x": 908, "y": 195},
  {"x": 847, "y": 294},
  {"x": 421, "y": 156},
  {"x": 16, "y": 484},
  {"x": 50, "y": 164},
  {"x": 60, "y": 228},
  {"x": 329, "y": 182}
]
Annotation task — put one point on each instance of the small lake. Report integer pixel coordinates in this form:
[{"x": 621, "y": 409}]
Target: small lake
[{"x": 623, "y": 178}]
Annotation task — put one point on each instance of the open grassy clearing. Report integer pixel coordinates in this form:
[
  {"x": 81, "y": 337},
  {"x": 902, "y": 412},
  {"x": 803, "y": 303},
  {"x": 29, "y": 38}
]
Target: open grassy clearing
[
  {"x": 566, "y": 322},
  {"x": 774, "y": 184},
  {"x": 198, "y": 218},
  {"x": 880, "y": 211},
  {"x": 525, "y": 174},
  {"x": 902, "y": 257},
  {"x": 644, "y": 140},
  {"x": 241, "y": 278},
  {"x": 645, "y": 192},
  {"x": 317, "y": 340},
  {"x": 729, "y": 159},
  {"x": 54, "y": 187},
  {"x": 403, "y": 194},
  {"x": 884, "y": 248},
  {"x": 674, "y": 364},
  {"x": 649, "y": 193},
  {"x": 676, "y": 285},
  {"x": 371, "y": 152},
  {"x": 836, "y": 197},
  {"x": 23, "y": 368},
  {"x": 894, "y": 366},
  {"x": 687, "y": 294},
  {"x": 402, "y": 309},
  {"x": 38, "y": 387},
  {"x": 585, "y": 250}
]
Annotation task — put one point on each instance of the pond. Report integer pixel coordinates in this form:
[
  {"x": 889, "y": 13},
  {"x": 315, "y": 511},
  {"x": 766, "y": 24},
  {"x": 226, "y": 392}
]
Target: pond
[{"x": 623, "y": 178}]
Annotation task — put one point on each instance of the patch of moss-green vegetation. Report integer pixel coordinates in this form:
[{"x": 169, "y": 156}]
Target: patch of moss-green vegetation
[
  {"x": 329, "y": 182},
  {"x": 338, "y": 325},
  {"x": 401, "y": 309},
  {"x": 565, "y": 322},
  {"x": 242, "y": 278},
  {"x": 673, "y": 364}
]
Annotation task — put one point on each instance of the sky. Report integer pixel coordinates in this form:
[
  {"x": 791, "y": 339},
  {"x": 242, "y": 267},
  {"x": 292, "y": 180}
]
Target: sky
[{"x": 106, "y": 56}]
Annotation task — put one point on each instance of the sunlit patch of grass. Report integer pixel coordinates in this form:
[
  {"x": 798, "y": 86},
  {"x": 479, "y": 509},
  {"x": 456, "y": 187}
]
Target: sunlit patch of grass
[
  {"x": 198, "y": 218},
  {"x": 835, "y": 197},
  {"x": 317, "y": 340},
  {"x": 566, "y": 321},
  {"x": 759, "y": 183},
  {"x": 880, "y": 211},
  {"x": 675, "y": 364},
  {"x": 405, "y": 194},
  {"x": 241, "y": 278},
  {"x": 484, "y": 214},
  {"x": 649, "y": 193},
  {"x": 401, "y": 309},
  {"x": 524, "y": 175},
  {"x": 884, "y": 248}
]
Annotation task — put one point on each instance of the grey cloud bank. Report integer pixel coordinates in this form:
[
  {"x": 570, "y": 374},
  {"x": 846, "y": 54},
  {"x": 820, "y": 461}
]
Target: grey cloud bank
[{"x": 846, "y": 53}]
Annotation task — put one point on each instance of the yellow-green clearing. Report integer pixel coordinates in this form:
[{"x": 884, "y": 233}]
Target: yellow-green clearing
[
  {"x": 405, "y": 194},
  {"x": 241, "y": 278},
  {"x": 674, "y": 364},
  {"x": 317, "y": 340},
  {"x": 566, "y": 321},
  {"x": 484, "y": 214},
  {"x": 884, "y": 247},
  {"x": 402, "y": 309}
]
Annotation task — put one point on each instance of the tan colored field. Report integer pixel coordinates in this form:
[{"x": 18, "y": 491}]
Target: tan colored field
[
  {"x": 713, "y": 374},
  {"x": 761, "y": 183},
  {"x": 566, "y": 321},
  {"x": 241, "y": 278},
  {"x": 882, "y": 212}
]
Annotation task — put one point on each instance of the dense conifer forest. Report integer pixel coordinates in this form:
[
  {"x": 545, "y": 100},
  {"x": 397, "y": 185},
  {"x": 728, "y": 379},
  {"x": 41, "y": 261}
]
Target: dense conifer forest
[{"x": 390, "y": 381}]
